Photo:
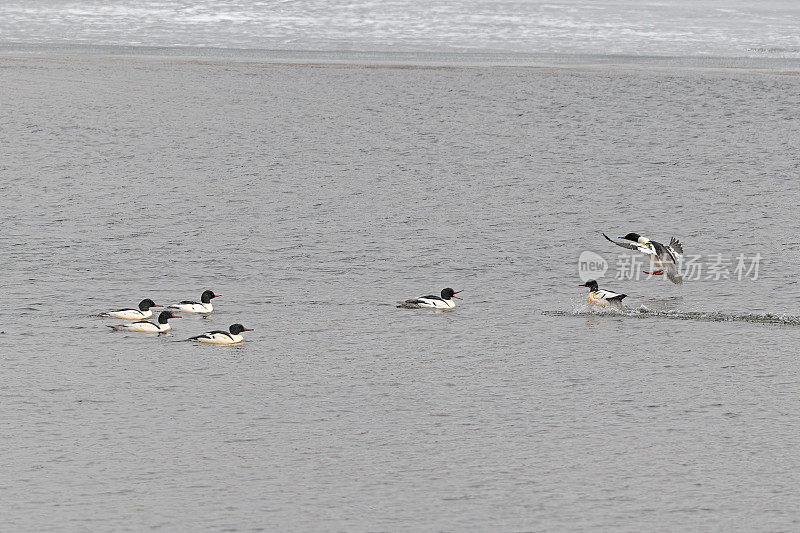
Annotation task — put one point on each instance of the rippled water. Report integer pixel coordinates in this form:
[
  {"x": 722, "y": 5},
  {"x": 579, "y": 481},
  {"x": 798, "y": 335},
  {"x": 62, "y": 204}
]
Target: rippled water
[
  {"x": 312, "y": 198},
  {"x": 731, "y": 28}
]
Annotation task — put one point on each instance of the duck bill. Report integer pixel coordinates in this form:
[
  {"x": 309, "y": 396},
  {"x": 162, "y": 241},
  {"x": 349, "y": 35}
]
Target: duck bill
[
  {"x": 217, "y": 296},
  {"x": 456, "y": 297},
  {"x": 176, "y": 316},
  {"x": 247, "y": 329}
]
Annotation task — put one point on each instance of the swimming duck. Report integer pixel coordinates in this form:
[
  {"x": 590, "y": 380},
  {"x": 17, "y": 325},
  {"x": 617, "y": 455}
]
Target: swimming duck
[
  {"x": 232, "y": 336},
  {"x": 601, "y": 297},
  {"x": 141, "y": 313},
  {"x": 445, "y": 301},
  {"x": 145, "y": 326},
  {"x": 203, "y": 306}
]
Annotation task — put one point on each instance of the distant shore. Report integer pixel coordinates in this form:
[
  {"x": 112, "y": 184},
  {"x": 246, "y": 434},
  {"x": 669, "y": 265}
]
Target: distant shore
[{"x": 382, "y": 59}]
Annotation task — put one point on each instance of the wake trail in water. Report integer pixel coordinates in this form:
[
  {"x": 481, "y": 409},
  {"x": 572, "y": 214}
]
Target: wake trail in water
[{"x": 700, "y": 316}]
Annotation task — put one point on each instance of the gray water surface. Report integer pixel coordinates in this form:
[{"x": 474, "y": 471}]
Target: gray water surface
[{"x": 312, "y": 198}]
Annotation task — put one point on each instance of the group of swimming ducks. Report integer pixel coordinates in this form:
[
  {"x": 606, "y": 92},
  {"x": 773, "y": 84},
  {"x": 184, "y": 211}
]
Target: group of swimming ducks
[
  {"x": 204, "y": 307},
  {"x": 664, "y": 259}
]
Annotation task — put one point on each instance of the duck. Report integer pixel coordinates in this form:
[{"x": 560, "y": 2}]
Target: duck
[
  {"x": 145, "y": 326},
  {"x": 445, "y": 301},
  {"x": 203, "y": 306},
  {"x": 232, "y": 336},
  {"x": 664, "y": 258},
  {"x": 601, "y": 297},
  {"x": 142, "y": 313}
]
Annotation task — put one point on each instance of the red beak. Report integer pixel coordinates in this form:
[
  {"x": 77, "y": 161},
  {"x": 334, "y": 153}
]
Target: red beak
[
  {"x": 156, "y": 305},
  {"x": 456, "y": 297},
  {"x": 217, "y": 295},
  {"x": 176, "y": 316},
  {"x": 248, "y": 329}
]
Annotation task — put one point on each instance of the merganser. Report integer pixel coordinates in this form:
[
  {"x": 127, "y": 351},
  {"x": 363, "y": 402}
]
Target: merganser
[
  {"x": 134, "y": 314},
  {"x": 602, "y": 297},
  {"x": 145, "y": 326},
  {"x": 431, "y": 301},
  {"x": 203, "y": 306},
  {"x": 232, "y": 336},
  {"x": 663, "y": 258}
]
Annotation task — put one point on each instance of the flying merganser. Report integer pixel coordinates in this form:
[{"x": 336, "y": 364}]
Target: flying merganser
[
  {"x": 664, "y": 258},
  {"x": 134, "y": 314},
  {"x": 146, "y": 326},
  {"x": 431, "y": 301},
  {"x": 602, "y": 297},
  {"x": 203, "y": 306},
  {"x": 232, "y": 336}
]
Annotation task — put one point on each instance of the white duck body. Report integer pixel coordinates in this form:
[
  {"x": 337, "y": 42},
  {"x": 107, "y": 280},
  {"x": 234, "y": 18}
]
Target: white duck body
[
  {"x": 232, "y": 336},
  {"x": 192, "y": 307},
  {"x": 130, "y": 314},
  {"x": 219, "y": 337},
  {"x": 430, "y": 301},
  {"x": 204, "y": 306},
  {"x": 445, "y": 301},
  {"x": 604, "y": 298},
  {"x": 143, "y": 326},
  {"x": 142, "y": 313}
]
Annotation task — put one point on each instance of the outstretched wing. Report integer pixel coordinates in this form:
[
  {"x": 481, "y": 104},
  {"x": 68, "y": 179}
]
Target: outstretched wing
[
  {"x": 665, "y": 254},
  {"x": 644, "y": 248},
  {"x": 675, "y": 247}
]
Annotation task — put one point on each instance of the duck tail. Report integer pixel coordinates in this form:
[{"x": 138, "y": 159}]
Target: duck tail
[{"x": 674, "y": 277}]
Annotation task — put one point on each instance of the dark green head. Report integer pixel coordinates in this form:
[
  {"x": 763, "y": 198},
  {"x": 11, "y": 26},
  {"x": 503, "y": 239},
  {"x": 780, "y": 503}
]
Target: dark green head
[
  {"x": 164, "y": 316},
  {"x": 449, "y": 293},
  {"x": 146, "y": 304},
  {"x": 207, "y": 295},
  {"x": 631, "y": 237},
  {"x": 235, "y": 329},
  {"x": 592, "y": 284}
]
